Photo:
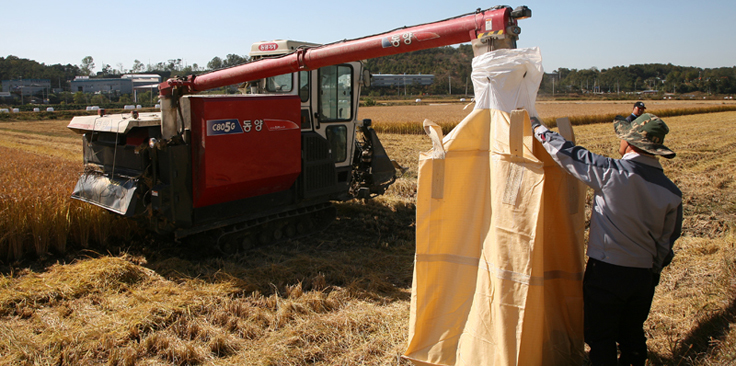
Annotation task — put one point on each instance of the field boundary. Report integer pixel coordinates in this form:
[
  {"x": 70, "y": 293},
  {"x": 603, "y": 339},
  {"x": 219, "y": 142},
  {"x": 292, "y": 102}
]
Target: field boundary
[{"x": 412, "y": 128}]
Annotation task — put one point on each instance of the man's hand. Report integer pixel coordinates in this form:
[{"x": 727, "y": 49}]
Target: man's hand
[{"x": 535, "y": 123}]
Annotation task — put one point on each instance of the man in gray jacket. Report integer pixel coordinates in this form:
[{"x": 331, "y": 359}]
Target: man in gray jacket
[{"x": 636, "y": 218}]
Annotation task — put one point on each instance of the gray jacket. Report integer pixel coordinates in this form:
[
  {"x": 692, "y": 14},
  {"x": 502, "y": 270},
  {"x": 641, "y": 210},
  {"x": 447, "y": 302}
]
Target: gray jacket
[{"x": 637, "y": 210}]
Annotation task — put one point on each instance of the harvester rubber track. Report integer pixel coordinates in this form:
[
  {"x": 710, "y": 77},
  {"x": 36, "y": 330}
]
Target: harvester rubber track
[{"x": 274, "y": 228}]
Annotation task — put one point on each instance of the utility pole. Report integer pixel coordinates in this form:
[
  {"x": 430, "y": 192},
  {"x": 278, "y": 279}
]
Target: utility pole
[
  {"x": 20, "y": 85},
  {"x": 449, "y": 79}
]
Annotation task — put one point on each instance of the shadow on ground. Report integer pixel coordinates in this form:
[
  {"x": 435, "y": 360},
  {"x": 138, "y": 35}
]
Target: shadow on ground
[
  {"x": 701, "y": 341},
  {"x": 369, "y": 249}
]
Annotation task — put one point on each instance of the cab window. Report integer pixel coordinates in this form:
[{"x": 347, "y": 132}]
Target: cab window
[
  {"x": 304, "y": 85},
  {"x": 279, "y": 84},
  {"x": 337, "y": 136},
  {"x": 336, "y": 93}
]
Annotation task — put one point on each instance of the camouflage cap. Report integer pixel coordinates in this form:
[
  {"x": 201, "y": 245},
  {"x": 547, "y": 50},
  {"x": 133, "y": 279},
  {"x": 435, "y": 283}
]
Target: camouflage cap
[{"x": 646, "y": 132}]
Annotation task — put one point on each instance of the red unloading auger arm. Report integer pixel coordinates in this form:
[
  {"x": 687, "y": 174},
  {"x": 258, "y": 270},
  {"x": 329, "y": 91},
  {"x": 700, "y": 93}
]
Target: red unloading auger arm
[{"x": 487, "y": 29}]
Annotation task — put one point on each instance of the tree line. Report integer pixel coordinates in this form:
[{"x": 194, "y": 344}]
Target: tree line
[
  {"x": 451, "y": 67},
  {"x": 662, "y": 78},
  {"x": 15, "y": 68}
]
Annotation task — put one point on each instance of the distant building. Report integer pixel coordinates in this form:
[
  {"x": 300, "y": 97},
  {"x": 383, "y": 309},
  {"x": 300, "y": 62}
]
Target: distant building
[
  {"x": 85, "y": 84},
  {"x": 646, "y": 92},
  {"x": 143, "y": 82},
  {"x": 26, "y": 86},
  {"x": 384, "y": 80}
]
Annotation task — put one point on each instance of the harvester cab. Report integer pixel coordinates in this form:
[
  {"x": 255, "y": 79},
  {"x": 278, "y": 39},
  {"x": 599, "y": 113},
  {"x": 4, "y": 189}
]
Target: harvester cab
[{"x": 330, "y": 99}]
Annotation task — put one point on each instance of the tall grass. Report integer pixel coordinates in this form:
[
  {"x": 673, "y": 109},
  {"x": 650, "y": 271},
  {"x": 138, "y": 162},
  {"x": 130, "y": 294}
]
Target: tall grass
[{"x": 37, "y": 215}]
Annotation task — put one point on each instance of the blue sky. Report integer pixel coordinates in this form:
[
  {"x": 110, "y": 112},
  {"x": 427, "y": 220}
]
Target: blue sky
[{"x": 571, "y": 34}]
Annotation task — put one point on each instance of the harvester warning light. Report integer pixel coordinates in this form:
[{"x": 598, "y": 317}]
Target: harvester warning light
[{"x": 223, "y": 127}]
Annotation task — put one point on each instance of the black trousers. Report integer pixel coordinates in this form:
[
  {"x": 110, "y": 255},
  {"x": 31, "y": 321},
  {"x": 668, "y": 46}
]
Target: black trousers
[{"x": 617, "y": 301}]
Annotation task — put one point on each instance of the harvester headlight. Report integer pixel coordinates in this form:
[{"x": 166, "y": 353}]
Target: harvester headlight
[{"x": 152, "y": 142}]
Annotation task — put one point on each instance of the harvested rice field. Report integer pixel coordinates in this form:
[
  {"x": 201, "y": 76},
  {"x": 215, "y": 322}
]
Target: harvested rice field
[
  {"x": 449, "y": 112},
  {"x": 103, "y": 292}
]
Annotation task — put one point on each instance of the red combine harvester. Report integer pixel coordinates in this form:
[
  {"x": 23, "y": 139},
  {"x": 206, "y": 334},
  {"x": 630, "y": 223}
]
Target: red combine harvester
[{"x": 265, "y": 164}]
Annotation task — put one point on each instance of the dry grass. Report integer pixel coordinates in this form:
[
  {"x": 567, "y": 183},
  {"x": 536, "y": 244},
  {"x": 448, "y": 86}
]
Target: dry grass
[
  {"x": 555, "y": 109},
  {"x": 407, "y": 119},
  {"x": 326, "y": 303},
  {"x": 53, "y": 128},
  {"x": 47, "y": 138},
  {"x": 340, "y": 297}
]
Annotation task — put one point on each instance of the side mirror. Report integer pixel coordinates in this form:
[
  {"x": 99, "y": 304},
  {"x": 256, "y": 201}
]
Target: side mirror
[{"x": 366, "y": 79}]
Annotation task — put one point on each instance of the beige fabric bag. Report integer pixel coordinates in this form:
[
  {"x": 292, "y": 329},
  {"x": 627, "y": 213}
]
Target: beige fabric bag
[{"x": 499, "y": 258}]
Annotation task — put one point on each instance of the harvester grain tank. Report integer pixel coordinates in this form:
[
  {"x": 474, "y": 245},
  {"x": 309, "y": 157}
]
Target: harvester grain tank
[{"x": 267, "y": 163}]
